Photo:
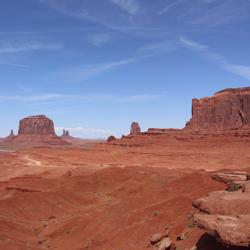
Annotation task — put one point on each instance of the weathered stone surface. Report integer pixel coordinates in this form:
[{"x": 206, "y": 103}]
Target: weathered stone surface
[
  {"x": 225, "y": 203},
  {"x": 246, "y": 187},
  {"x": 156, "y": 238},
  {"x": 228, "y": 177},
  {"x": 36, "y": 125},
  {"x": 231, "y": 230},
  {"x": 228, "y": 109},
  {"x": 164, "y": 244},
  {"x": 227, "y": 213},
  {"x": 135, "y": 128}
]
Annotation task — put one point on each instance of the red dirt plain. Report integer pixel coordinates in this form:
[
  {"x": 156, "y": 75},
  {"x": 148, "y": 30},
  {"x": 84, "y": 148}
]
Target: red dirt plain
[{"x": 112, "y": 196}]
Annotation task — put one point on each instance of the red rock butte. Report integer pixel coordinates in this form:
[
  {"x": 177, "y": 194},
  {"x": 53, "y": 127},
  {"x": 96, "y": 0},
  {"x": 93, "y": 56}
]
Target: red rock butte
[
  {"x": 228, "y": 109},
  {"x": 34, "y": 131},
  {"x": 36, "y": 125},
  {"x": 135, "y": 128}
]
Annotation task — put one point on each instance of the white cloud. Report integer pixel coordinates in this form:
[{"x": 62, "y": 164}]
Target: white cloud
[
  {"x": 99, "y": 39},
  {"x": 131, "y": 6},
  {"x": 14, "y": 65},
  {"x": 81, "y": 98},
  {"x": 168, "y": 7},
  {"x": 81, "y": 73},
  {"x": 10, "y": 48},
  {"x": 240, "y": 70},
  {"x": 152, "y": 49},
  {"x": 33, "y": 98},
  {"x": 219, "y": 60},
  {"x": 192, "y": 44}
]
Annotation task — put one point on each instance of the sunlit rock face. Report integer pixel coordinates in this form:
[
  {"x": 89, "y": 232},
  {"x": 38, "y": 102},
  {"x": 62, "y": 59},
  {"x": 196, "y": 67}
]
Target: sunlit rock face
[
  {"x": 228, "y": 109},
  {"x": 36, "y": 125}
]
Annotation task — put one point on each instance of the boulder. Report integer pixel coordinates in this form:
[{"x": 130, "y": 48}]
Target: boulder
[
  {"x": 156, "y": 238},
  {"x": 226, "y": 214},
  {"x": 164, "y": 244},
  {"x": 231, "y": 230},
  {"x": 135, "y": 128}
]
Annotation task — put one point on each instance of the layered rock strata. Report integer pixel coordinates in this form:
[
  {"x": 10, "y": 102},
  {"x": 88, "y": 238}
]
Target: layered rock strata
[
  {"x": 226, "y": 214},
  {"x": 228, "y": 109}
]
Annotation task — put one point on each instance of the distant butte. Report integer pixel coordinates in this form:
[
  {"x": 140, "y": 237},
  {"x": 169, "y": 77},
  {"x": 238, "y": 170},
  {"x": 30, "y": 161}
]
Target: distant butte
[
  {"x": 34, "y": 130},
  {"x": 36, "y": 125},
  {"x": 135, "y": 128}
]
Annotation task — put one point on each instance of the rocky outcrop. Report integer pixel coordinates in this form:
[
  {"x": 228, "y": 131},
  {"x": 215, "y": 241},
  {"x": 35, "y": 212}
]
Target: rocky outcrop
[
  {"x": 226, "y": 214},
  {"x": 36, "y": 125},
  {"x": 111, "y": 138},
  {"x": 231, "y": 230},
  {"x": 11, "y": 135},
  {"x": 228, "y": 109},
  {"x": 135, "y": 128},
  {"x": 230, "y": 177},
  {"x": 65, "y": 133}
]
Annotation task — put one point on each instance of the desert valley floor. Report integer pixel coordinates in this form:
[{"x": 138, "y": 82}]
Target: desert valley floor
[{"x": 113, "y": 196}]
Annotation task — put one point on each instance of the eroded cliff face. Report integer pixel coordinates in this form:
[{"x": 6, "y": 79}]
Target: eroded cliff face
[
  {"x": 36, "y": 125},
  {"x": 226, "y": 110}
]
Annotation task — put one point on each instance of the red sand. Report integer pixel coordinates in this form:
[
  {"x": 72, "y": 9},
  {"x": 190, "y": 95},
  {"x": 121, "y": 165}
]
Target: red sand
[{"x": 111, "y": 197}]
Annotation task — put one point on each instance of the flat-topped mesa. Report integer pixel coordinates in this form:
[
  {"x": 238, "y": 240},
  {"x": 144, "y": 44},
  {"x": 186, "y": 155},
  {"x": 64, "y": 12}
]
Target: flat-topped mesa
[
  {"x": 135, "y": 128},
  {"x": 36, "y": 125},
  {"x": 228, "y": 109}
]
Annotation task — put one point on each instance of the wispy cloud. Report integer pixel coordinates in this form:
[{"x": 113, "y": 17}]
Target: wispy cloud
[
  {"x": 240, "y": 70},
  {"x": 99, "y": 39},
  {"x": 14, "y": 65},
  {"x": 16, "y": 48},
  {"x": 81, "y": 73},
  {"x": 223, "y": 12},
  {"x": 131, "y": 6},
  {"x": 92, "y": 97},
  {"x": 168, "y": 7},
  {"x": 152, "y": 49},
  {"x": 63, "y": 7},
  {"x": 192, "y": 44},
  {"x": 219, "y": 60},
  {"x": 33, "y": 98}
]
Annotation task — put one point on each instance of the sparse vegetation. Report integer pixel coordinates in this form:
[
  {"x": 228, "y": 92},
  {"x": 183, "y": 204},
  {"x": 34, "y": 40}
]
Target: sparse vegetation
[
  {"x": 233, "y": 187},
  {"x": 156, "y": 213}
]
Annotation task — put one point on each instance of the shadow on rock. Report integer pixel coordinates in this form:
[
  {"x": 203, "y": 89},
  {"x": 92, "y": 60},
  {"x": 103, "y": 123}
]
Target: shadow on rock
[{"x": 208, "y": 242}]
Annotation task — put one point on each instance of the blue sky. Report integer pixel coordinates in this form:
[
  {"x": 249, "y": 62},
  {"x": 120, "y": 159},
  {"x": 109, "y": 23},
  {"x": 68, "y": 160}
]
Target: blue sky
[{"x": 94, "y": 66}]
